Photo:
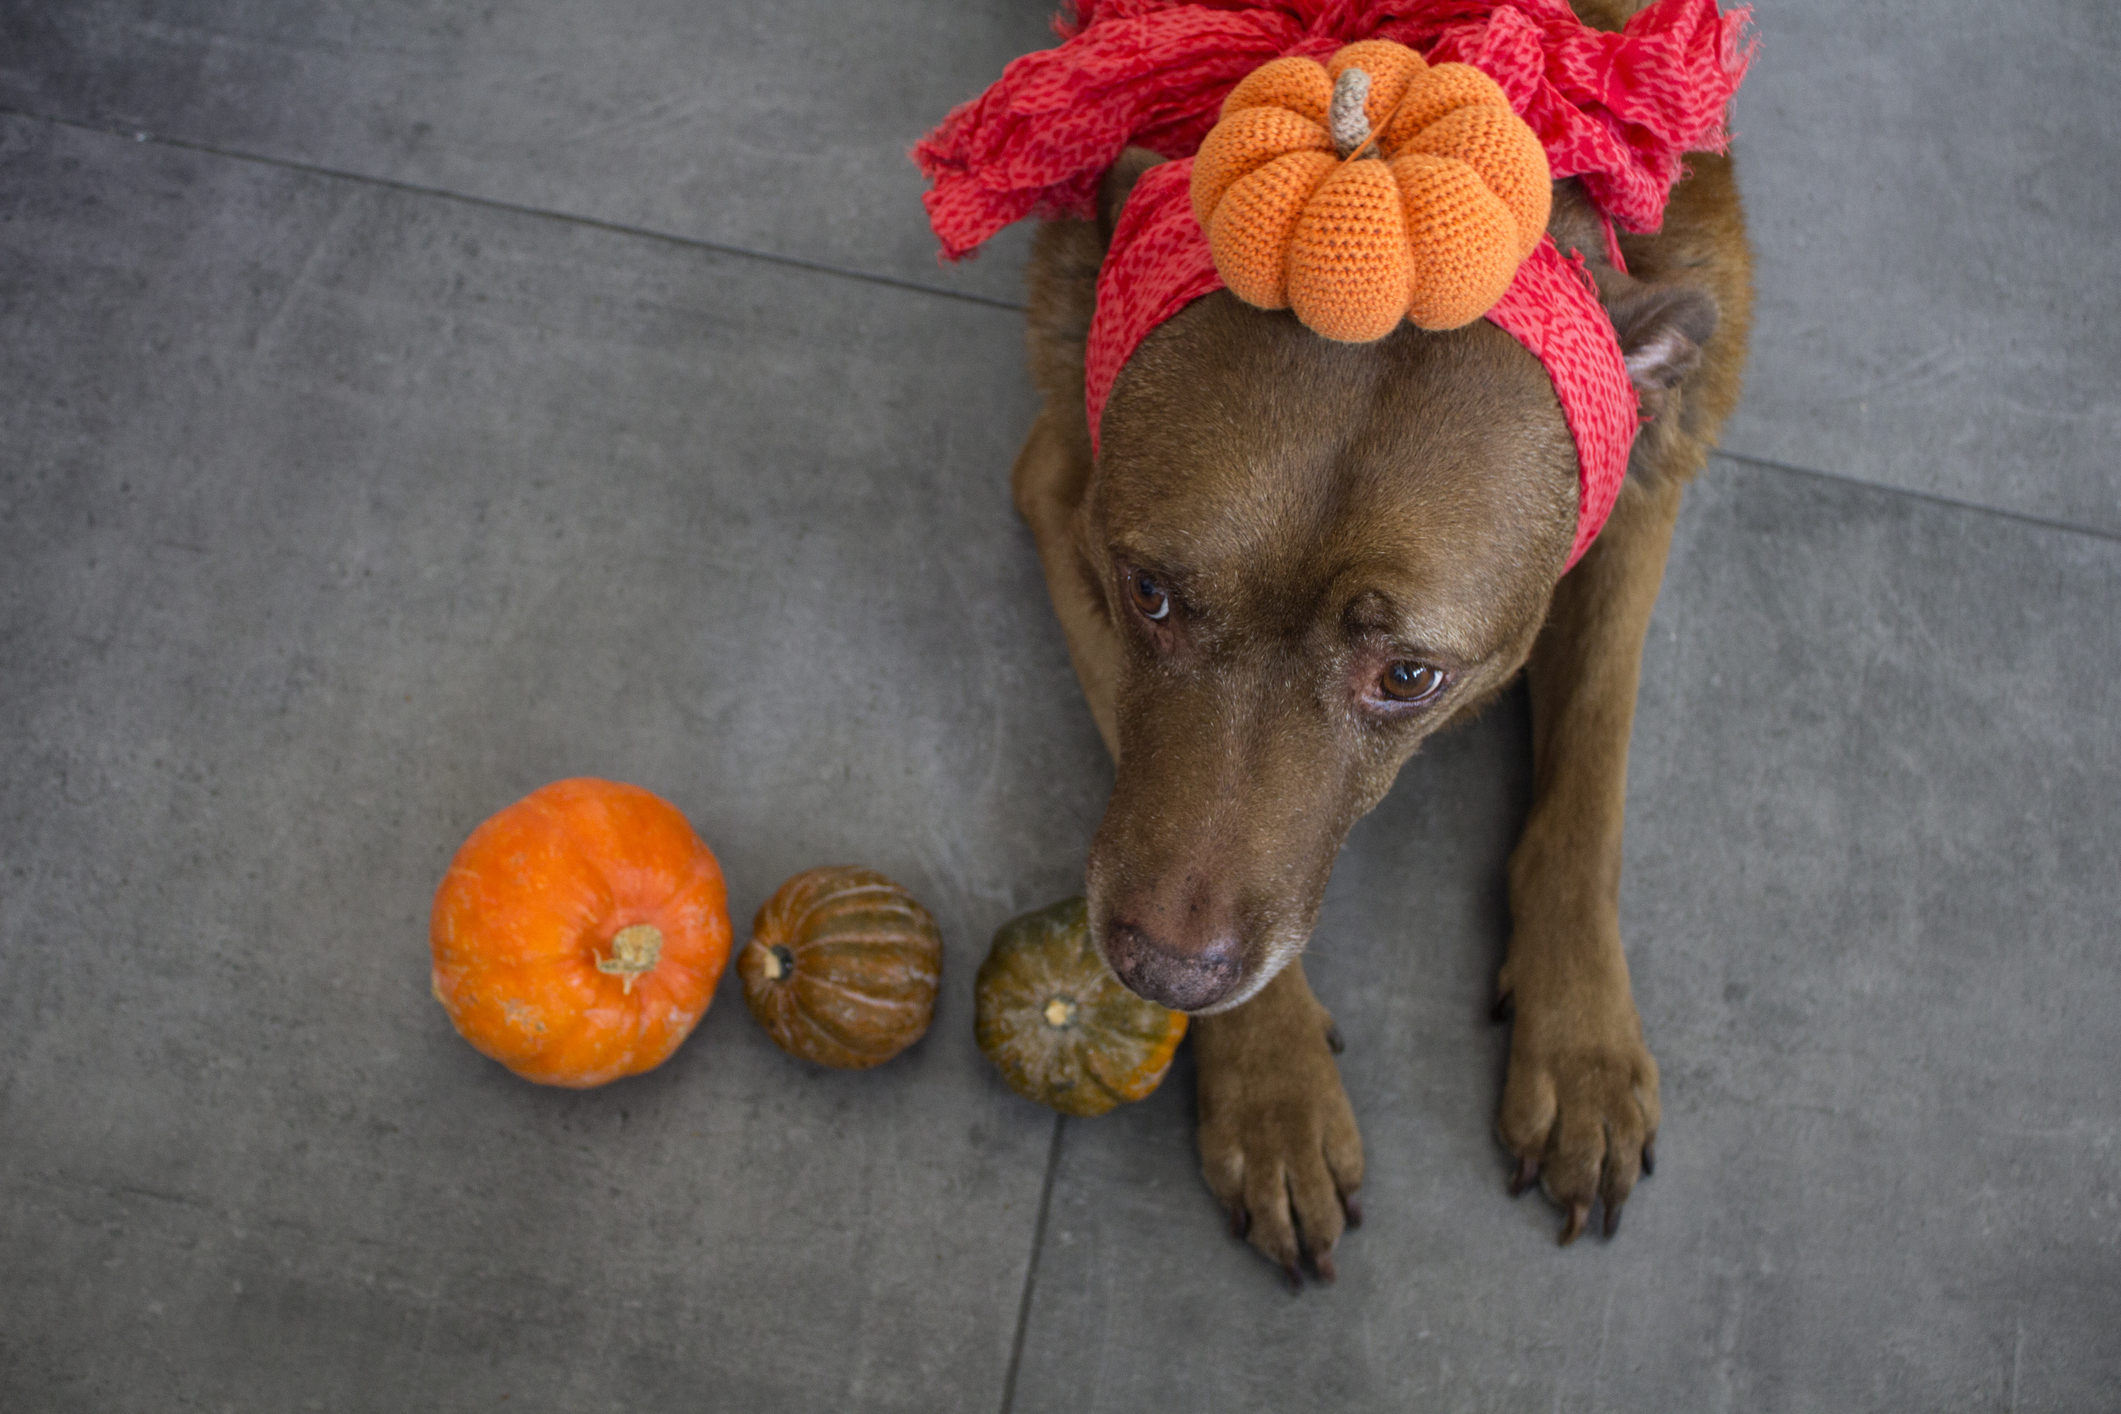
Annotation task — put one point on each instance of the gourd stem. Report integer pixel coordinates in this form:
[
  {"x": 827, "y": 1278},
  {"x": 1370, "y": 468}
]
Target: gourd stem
[{"x": 634, "y": 950}]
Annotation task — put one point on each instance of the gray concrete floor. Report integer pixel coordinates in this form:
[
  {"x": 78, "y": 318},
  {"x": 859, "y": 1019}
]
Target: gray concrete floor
[{"x": 403, "y": 404}]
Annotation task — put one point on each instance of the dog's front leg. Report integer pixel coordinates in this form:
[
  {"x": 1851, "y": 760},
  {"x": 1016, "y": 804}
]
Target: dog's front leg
[
  {"x": 1278, "y": 1142},
  {"x": 1579, "y": 1109}
]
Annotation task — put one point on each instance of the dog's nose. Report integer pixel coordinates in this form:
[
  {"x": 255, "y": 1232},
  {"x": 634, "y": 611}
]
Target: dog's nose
[{"x": 1183, "y": 981}]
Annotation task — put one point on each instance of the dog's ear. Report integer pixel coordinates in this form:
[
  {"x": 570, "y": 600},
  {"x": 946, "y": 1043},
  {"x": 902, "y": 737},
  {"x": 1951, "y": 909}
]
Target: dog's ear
[
  {"x": 1663, "y": 330},
  {"x": 1119, "y": 180}
]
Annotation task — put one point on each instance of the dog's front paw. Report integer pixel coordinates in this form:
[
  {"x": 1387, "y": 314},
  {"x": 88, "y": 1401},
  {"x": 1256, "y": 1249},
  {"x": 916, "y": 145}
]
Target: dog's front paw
[
  {"x": 1278, "y": 1143},
  {"x": 1579, "y": 1110}
]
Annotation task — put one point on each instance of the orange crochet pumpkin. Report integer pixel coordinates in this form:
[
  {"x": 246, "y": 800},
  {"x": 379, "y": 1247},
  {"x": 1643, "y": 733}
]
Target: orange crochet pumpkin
[
  {"x": 579, "y": 933},
  {"x": 1371, "y": 188}
]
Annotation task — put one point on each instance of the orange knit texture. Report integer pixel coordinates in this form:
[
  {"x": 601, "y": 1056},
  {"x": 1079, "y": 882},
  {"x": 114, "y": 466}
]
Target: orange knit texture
[{"x": 1428, "y": 219}]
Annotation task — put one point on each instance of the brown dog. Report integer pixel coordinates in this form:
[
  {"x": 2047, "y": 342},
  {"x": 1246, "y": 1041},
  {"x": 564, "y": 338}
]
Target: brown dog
[{"x": 1291, "y": 563}]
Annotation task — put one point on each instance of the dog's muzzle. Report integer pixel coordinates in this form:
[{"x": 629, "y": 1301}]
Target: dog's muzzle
[{"x": 1183, "y": 981}]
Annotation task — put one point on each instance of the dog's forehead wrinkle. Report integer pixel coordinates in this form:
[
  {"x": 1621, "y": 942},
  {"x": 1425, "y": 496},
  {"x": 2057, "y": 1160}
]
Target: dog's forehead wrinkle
[
  {"x": 1217, "y": 511},
  {"x": 1442, "y": 629}
]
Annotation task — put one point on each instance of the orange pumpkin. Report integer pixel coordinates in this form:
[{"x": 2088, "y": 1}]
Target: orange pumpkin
[
  {"x": 1059, "y": 1026},
  {"x": 842, "y": 967},
  {"x": 579, "y": 933},
  {"x": 1371, "y": 188}
]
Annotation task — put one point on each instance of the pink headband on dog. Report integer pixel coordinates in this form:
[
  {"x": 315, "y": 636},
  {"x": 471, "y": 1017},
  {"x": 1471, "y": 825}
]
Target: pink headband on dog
[{"x": 1617, "y": 110}]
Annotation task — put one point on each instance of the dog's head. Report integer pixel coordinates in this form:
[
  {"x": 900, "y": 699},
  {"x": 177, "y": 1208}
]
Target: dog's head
[{"x": 1315, "y": 554}]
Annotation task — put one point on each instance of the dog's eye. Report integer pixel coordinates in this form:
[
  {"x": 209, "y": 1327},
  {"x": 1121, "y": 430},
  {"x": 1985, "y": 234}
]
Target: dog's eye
[
  {"x": 1413, "y": 682},
  {"x": 1149, "y": 597}
]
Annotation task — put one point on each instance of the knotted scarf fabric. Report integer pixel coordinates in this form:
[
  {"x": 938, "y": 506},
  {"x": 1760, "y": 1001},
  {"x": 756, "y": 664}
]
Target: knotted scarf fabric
[{"x": 1617, "y": 110}]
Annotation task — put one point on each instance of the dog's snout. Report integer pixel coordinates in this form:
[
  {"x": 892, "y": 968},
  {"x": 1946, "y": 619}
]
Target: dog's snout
[{"x": 1182, "y": 980}]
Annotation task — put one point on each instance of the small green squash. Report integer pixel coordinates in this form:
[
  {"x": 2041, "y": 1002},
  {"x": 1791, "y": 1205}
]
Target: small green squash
[{"x": 1059, "y": 1026}]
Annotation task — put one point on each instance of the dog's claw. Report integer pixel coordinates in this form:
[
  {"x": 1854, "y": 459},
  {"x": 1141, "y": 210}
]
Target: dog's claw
[
  {"x": 1327, "y": 1272},
  {"x": 1351, "y": 1204},
  {"x": 1334, "y": 1040},
  {"x": 1500, "y": 1012},
  {"x": 1527, "y": 1174},
  {"x": 1612, "y": 1218},
  {"x": 1649, "y": 1158},
  {"x": 1573, "y": 1229},
  {"x": 1293, "y": 1275},
  {"x": 1240, "y": 1223}
]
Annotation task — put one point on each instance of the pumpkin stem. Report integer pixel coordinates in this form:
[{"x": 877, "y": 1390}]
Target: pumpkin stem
[
  {"x": 779, "y": 962},
  {"x": 1059, "y": 1012},
  {"x": 633, "y": 951},
  {"x": 1345, "y": 119}
]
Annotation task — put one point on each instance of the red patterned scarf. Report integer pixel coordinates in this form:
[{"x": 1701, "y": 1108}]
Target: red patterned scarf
[{"x": 1619, "y": 111}]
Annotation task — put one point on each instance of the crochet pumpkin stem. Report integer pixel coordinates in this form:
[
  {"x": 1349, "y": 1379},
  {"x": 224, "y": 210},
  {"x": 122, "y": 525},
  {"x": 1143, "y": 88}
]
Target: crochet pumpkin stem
[{"x": 1345, "y": 120}]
